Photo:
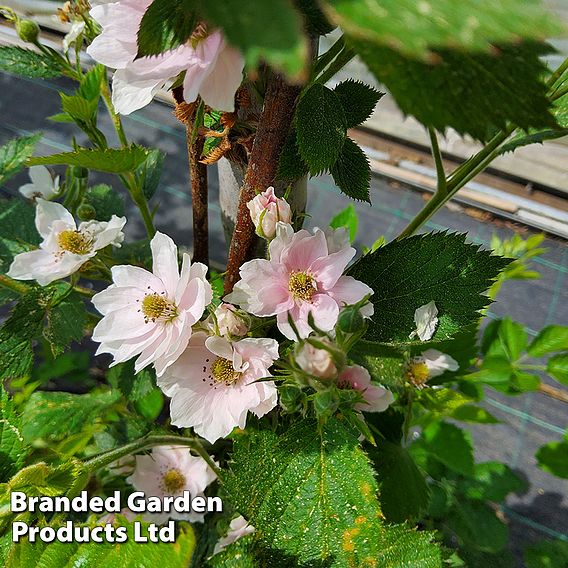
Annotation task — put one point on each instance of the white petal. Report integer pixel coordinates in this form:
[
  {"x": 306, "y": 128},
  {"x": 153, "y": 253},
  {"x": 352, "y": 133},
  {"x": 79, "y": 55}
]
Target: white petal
[
  {"x": 47, "y": 213},
  {"x": 130, "y": 94},
  {"x": 426, "y": 320},
  {"x": 165, "y": 262},
  {"x": 438, "y": 362}
]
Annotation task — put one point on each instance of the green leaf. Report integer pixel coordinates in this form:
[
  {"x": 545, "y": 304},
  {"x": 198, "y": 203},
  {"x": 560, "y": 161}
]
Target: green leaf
[
  {"x": 91, "y": 83},
  {"x": 547, "y": 554},
  {"x": 43, "y": 479},
  {"x": 79, "y": 109},
  {"x": 549, "y": 339},
  {"x": 415, "y": 28},
  {"x": 291, "y": 166},
  {"x": 474, "y": 93},
  {"x": 352, "y": 171},
  {"x": 28, "y": 63},
  {"x": 65, "y": 323},
  {"x": 111, "y": 160},
  {"x": 535, "y": 136},
  {"x": 266, "y": 30},
  {"x": 494, "y": 371},
  {"x": 411, "y": 272},
  {"x": 493, "y": 481},
  {"x": 317, "y": 501},
  {"x": 150, "y": 171},
  {"x": 321, "y": 128},
  {"x": 54, "y": 415},
  {"x": 557, "y": 367},
  {"x": 404, "y": 493},
  {"x": 347, "y": 218},
  {"x": 166, "y": 24},
  {"x": 129, "y": 554},
  {"x": 14, "y": 154},
  {"x": 106, "y": 202},
  {"x": 18, "y": 232},
  {"x": 133, "y": 386},
  {"x": 450, "y": 445},
  {"x": 315, "y": 20},
  {"x": 473, "y": 413},
  {"x": 13, "y": 449},
  {"x": 386, "y": 364},
  {"x": 358, "y": 101},
  {"x": 553, "y": 458},
  {"x": 504, "y": 338},
  {"x": 477, "y": 525},
  {"x": 150, "y": 405}
]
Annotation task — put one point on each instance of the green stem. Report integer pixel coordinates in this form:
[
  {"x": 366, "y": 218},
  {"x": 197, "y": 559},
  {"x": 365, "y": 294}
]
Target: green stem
[
  {"x": 138, "y": 197},
  {"x": 557, "y": 74},
  {"x": 148, "y": 442},
  {"x": 18, "y": 287},
  {"x": 329, "y": 56},
  {"x": 533, "y": 367},
  {"x": 342, "y": 59},
  {"x": 116, "y": 121},
  {"x": 437, "y": 155}
]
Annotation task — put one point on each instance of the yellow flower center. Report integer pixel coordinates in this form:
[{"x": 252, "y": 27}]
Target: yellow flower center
[
  {"x": 418, "y": 373},
  {"x": 155, "y": 306},
  {"x": 223, "y": 371},
  {"x": 75, "y": 242},
  {"x": 173, "y": 481},
  {"x": 302, "y": 286}
]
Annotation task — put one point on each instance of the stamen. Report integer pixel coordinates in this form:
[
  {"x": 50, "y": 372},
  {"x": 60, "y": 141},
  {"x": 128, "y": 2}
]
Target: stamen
[
  {"x": 173, "y": 481},
  {"x": 223, "y": 372},
  {"x": 302, "y": 286},
  {"x": 75, "y": 242},
  {"x": 157, "y": 307},
  {"x": 418, "y": 373}
]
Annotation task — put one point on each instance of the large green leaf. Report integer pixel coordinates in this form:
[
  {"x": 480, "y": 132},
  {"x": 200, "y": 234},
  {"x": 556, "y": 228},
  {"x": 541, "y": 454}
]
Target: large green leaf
[
  {"x": 111, "y": 160},
  {"x": 28, "y": 63},
  {"x": 321, "y": 128},
  {"x": 415, "y": 28},
  {"x": 13, "y": 449},
  {"x": 352, "y": 171},
  {"x": 404, "y": 493},
  {"x": 412, "y": 272},
  {"x": 134, "y": 386},
  {"x": 504, "y": 338},
  {"x": 317, "y": 502},
  {"x": 493, "y": 481},
  {"x": 65, "y": 322},
  {"x": 474, "y": 93},
  {"x": 557, "y": 367},
  {"x": 14, "y": 154},
  {"x": 54, "y": 415},
  {"x": 129, "y": 554},
  {"x": 385, "y": 363},
  {"x": 166, "y": 25},
  {"x": 547, "y": 554}
]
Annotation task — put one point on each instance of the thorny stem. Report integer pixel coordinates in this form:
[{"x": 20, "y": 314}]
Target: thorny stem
[
  {"x": 146, "y": 443},
  {"x": 276, "y": 117},
  {"x": 199, "y": 185}
]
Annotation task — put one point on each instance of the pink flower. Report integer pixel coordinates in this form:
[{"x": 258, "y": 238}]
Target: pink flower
[
  {"x": 212, "y": 385},
  {"x": 65, "y": 246},
  {"x": 303, "y": 275},
  {"x": 150, "y": 314},
  {"x": 377, "y": 399},
  {"x": 238, "y": 528},
  {"x": 266, "y": 210},
  {"x": 213, "y": 69},
  {"x": 316, "y": 362},
  {"x": 167, "y": 472}
]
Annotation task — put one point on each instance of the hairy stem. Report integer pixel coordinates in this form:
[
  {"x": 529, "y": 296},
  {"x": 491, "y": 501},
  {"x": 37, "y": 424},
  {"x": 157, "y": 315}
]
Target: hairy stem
[
  {"x": 146, "y": 443},
  {"x": 276, "y": 117}
]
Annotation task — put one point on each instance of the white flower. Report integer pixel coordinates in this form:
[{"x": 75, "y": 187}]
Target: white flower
[
  {"x": 72, "y": 35},
  {"x": 213, "y": 69},
  {"x": 167, "y": 472},
  {"x": 213, "y": 384},
  {"x": 426, "y": 320},
  {"x": 229, "y": 322},
  {"x": 316, "y": 362},
  {"x": 150, "y": 314},
  {"x": 238, "y": 528},
  {"x": 65, "y": 247},
  {"x": 266, "y": 210},
  {"x": 42, "y": 185},
  {"x": 431, "y": 363}
]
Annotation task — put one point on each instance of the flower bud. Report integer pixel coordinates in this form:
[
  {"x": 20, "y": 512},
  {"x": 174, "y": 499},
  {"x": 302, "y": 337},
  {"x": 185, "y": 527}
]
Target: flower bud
[
  {"x": 28, "y": 30},
  {"x": 229, "y": 322},
  {"x": 266, "y": 210},
  {"x": 316, "y": 362},
  {"x": 86, "y": 212},
  {"x": 79, "y": 172},
  {"x": 350, "y": 319}
]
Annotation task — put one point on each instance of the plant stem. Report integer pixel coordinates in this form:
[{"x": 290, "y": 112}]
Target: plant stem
[
  {"x": 329, "y": 55},
  {"x": 116, "y": 121},
  {"x": 342, "y": 59},
  {"x": 552, "y": 392},
  {"x": 148, "y": 442},
  {"x": 437, "y": 155},
  {"x": 275, "y": 119},
  {"x": 557, "y": 74},
  {"x": 18, "y": 287}
]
